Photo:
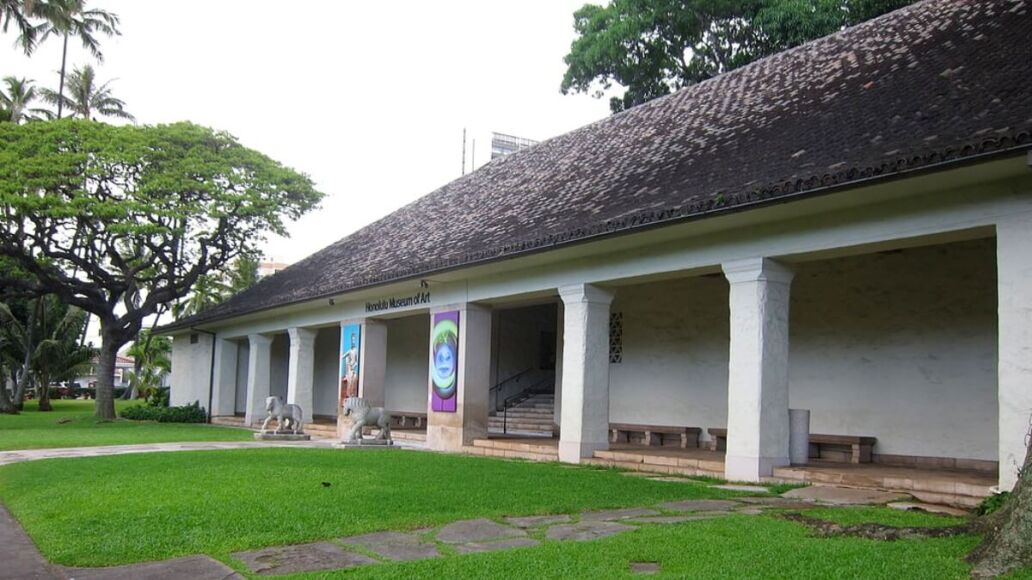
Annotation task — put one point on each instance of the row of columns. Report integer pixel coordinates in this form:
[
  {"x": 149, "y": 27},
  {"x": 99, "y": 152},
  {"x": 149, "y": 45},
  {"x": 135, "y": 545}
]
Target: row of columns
[{"x": 758, "y": 390}]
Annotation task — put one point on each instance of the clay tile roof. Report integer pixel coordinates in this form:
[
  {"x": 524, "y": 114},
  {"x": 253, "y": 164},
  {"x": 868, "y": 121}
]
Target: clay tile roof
[{"x": 938, "y": 82}]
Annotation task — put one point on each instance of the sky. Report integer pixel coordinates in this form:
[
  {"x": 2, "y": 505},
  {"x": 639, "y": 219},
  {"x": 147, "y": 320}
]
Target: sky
[{"x": 368, "y": 98}]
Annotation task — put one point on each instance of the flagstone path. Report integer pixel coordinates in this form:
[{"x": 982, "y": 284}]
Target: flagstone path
[{"x": 8, "y": 457}]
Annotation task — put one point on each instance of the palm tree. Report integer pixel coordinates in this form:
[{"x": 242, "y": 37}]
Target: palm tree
[
  {"x": 67, "y": 18},
  {"x": 15, "y": 11},
  {"x": 86, "y": 98},
  {"x": 18, "y": 99}
]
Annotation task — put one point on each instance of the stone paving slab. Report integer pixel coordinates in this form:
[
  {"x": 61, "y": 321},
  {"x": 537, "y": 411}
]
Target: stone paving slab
[
  {"x": 534, "y": 521},
  {"x": 677, "y": 519},
  {"x": 395, "y": 545},
  {"x": 301, "y": 558},
  {"x": 192, "y": 567},
  {"x": 844, "y": 495},
  {"x": 644, "y": 568},
  {"x": 779, "y": 502},
  {"x": 620, "y": 514},
  {"x": 672, "y": 479},
  {"x": 21, "y": 559},
  {"x": 478, "y": 530},
  {"x": 700, "y": 505},
  {"x": 585, "y": 531},
  {"x": 474, "y": 547}
]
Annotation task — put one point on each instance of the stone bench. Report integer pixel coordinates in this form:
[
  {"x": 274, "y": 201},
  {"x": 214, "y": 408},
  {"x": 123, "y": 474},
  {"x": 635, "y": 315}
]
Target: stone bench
[
  {"x": 655, "y": 434},
  {"x": 403, "y": 420},
  {"x": 841, "y": 448}
]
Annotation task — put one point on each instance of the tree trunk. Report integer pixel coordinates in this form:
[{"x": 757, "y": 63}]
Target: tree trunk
[
  {"x": 1007, "y": 543},
  {"x": 44, "y": 394},
  {"x": 110, "y": 341},
  {"x": 60, "y": 88},
  {"x": 6, "y": 405}
]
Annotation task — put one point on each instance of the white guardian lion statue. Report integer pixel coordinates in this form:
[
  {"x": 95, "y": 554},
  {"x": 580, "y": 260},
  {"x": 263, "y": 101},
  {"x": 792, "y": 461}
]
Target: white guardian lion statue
[
  {"x": 362, "y": 414},
  {"x": 289, "y": 416}
]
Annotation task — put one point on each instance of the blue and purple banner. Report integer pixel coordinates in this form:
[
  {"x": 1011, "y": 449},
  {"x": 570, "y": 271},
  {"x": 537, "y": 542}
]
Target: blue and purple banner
[{"x": 444, "y": 366}]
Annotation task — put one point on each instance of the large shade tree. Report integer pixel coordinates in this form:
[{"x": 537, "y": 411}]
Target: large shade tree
[
  {"x": 654, "y": 47},
  {"x": 122, "y": 221}
]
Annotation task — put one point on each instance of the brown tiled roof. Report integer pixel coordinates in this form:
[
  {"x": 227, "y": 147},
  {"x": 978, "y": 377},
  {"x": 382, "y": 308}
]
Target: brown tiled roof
[{"x": 939, "y": 82}]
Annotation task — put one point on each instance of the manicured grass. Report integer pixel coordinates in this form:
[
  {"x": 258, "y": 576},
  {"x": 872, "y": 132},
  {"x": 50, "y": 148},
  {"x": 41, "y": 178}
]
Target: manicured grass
[
  {"x": 71, "y": 424},
  {"x": 731, "y": 547},
  {"x": 128, "y": 508},
  {"x": 851, "y": 516}
]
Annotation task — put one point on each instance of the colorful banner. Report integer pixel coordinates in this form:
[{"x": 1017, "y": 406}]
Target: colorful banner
[
  {"x": 444, "y": 366},
  {"x": 350, "y": 353}
]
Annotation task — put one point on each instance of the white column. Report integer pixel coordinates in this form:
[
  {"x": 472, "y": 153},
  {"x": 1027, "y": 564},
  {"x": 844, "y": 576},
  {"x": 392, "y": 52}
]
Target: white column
[
  {"x": 372, "y": 368},
  {"x": 584, "y": 424},
  {"x": 1014, "y": 370},
  {"x": 757, "y": 416},
  {"x": 301, "y": 370},
  {"x": 258, "y": 376},
  {"x": 452, "y": 431},
  {"x": 557, "y": 416},
  {"x": 223, "y": 399}
]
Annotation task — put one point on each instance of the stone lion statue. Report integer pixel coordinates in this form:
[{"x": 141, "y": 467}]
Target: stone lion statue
[
  {"x": 362, "y": 414},
  {"x": 288, "y": 416}
]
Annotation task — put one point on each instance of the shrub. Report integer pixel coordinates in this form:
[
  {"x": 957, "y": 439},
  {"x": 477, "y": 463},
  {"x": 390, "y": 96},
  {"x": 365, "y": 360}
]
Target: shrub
[
  {"x": 192, "y": 413},
  {"x": 992, "y": 503}
]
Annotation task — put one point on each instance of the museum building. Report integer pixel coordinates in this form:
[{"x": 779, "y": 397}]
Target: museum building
[{"x": 843, "y": 228}]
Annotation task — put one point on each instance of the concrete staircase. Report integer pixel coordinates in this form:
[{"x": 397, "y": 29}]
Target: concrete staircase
[{"x": 533, "y": 416}]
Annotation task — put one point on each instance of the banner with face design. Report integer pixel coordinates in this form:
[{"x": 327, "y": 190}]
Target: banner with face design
[{"x": 444, "y": 364}]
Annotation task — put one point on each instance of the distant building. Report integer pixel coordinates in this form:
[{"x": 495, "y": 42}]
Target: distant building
[
  {"x": 502, "y": 144},
  {"x": 269, "y": 268}
]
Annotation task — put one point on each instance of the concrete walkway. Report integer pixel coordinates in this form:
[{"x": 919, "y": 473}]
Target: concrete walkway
[{"x": 8, "y": 457}]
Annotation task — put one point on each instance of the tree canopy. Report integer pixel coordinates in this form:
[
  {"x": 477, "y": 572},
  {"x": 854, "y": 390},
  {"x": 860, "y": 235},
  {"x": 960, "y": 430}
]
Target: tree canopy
[
  {"x": 122, "y": 221},
  {"x": 654, "y": 47}
]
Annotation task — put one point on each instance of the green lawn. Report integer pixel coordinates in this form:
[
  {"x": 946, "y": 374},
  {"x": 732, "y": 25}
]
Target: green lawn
[
  {"x": 121, "y": 509},
  {"x": 71, "y": 424}
]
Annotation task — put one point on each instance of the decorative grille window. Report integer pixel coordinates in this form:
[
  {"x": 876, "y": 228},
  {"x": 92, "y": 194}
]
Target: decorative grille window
[{"x": 615, "y": 337}]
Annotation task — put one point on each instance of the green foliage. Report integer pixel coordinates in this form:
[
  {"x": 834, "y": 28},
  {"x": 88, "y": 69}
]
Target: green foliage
[
  {"x": 992, "y": 503},
  {"x": 654, "y": 47},
  {"x": 122, "y": 221},
  {"x": 71, "y": 424},
  {"x": 192, "y": 413}
]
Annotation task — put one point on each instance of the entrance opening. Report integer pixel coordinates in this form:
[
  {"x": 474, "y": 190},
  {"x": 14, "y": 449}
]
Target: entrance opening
[{"x": 524, "y": 357}]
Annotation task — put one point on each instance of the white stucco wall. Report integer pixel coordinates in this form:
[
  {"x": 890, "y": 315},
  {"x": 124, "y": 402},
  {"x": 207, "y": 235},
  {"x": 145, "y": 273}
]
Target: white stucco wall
[
  {"x": 407, "y": 379},
  {"x": 900, "y": 346},
  {"x": 279, "y": 366},
  {"x": 327, "y": 363},
  {"x": 675, "y": 353},
  {"x": 191, "y": 370}
]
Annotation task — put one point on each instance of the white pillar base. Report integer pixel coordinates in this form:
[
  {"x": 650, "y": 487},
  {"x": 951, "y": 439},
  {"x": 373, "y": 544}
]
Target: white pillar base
[{"x": 751, "y": 469}]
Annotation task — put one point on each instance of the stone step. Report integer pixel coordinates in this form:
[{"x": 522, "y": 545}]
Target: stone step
[
  {"x": 530, "y": 427},
  {"x": 526, "y": 418},
  {"x": 510, "y": 453},
  {"x": 518, "y": 412},
  {"x": 944, "y": 489},
  {"x": 524, "y": 446},
  {"x": 653, "y": 468},
  {"x": 647, "y": 461}
]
